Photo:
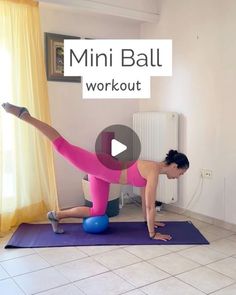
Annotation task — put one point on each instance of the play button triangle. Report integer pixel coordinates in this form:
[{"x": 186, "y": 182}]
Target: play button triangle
[{"x": 117, "y": 147}]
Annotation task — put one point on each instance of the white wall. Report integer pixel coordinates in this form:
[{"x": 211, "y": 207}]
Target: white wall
[
  {"x": 202, "y": 90},
  {"x": 80, "y": 121}
]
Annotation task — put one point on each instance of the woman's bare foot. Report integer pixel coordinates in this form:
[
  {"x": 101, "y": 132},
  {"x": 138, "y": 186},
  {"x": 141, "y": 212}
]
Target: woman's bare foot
[{"x": 19, "y": 112}]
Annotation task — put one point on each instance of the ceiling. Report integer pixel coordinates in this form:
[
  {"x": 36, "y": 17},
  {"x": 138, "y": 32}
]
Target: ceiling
[{"x": 138, "y": 10}]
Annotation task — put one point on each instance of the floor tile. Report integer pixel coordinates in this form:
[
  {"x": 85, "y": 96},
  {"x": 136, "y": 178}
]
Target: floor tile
[
  {"x": 107, "y": 283},
  {"x": 93, "y": 250},
  {"x": 9, "y": 287},
  {"x": 25, "y": 264},
  {"x": 231, "y": 290},
  {"x": 170, "y": 286},
  {"x": 147, "y": 251},
  {"x": 41, "y": 280},
  {"x": 64, "y": 290},
  {"x": 202, "y": 254},
  {"x": 205, "y": 279},
  {"x": 221, "y": 230},
  {"x": 141, "y": 274},
  {"x": 116, "y": 258},
  {"x": 199, "y": 224},
  {"x": 169, "y": 216},
  {"x": 135, "y": 292},
  {"x": 174, "y": 263},
  {"x": 212, "y": 233},
  {"x": 226, "y": 266},
  {"x": 209, "y": 236},
  {"x": 3, "y": 273},
  {"x": 224, "y": 246},
  {"x": 6, "y": 254},
  {"x": 176, "y": 248},
  {"x": 232, "y": 238},
  {"x": 61, "y": 255},
  {"x": 80, "y": 269}
]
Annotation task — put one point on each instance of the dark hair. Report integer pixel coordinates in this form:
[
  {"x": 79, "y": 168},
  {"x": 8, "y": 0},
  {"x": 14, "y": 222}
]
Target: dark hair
[{"x": 180, "y": 159}]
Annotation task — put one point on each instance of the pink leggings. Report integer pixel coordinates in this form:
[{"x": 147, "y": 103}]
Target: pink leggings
[{"x": 100, "y": 176}]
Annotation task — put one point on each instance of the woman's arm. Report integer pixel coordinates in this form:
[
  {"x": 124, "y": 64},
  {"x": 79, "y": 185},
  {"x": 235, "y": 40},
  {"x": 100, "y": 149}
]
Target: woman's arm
[
  {"x": 142, "y": 194},
  {"x": 150, "y": 197}
]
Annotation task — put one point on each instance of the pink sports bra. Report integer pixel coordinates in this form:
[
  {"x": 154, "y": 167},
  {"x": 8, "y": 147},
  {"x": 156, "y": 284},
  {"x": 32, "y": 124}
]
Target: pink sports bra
[{"x": 134, "y": 177}]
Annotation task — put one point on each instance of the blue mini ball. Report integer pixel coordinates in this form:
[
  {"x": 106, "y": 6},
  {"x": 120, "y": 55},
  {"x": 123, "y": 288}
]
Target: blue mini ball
[{"x": 95, "y": 224}]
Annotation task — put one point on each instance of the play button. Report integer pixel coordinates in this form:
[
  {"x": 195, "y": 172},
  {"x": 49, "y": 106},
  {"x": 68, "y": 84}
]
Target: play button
[{"x": 117, "y": 147}]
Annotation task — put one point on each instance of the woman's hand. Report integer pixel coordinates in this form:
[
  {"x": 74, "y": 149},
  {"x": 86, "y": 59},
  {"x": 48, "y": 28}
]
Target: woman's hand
[
  {"x": 160, "y": 224},
  {"x": 161, "y": 237}
]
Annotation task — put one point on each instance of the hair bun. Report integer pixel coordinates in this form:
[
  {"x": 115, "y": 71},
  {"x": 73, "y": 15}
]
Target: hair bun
[
  {"x": 180, "y": 159},
  {"x": 171, "y": 154}
]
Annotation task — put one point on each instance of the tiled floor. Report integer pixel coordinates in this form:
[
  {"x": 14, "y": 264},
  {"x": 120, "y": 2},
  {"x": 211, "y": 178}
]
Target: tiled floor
[{"x": 130, "y": 270}]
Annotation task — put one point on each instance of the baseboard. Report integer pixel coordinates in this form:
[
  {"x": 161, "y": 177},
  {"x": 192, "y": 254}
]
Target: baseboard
[{"x": 201, "y": 217}]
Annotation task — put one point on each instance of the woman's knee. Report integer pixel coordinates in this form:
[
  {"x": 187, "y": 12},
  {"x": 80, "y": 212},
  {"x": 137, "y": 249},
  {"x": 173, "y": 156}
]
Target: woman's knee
[
  {"x": 97, "y": 211},
  {"x": 59, "y": 144},
  {"x": 99, "y": 190}
]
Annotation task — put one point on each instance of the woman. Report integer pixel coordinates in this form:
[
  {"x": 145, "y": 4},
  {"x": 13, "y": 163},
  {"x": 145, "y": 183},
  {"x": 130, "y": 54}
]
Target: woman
[{"x": 143, "y": 174}]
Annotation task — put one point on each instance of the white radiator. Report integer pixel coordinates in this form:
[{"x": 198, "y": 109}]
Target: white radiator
[{"x": 158, "y": 133}]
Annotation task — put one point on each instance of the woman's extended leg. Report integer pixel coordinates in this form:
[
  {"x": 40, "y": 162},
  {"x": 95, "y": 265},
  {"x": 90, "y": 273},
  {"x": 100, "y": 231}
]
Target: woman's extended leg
[
  {"x": 79, "y": 157},
  {"x": 24, "y": 115}
]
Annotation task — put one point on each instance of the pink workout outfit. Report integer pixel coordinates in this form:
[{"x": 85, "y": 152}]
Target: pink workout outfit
[{"x": 99, "y": 175}]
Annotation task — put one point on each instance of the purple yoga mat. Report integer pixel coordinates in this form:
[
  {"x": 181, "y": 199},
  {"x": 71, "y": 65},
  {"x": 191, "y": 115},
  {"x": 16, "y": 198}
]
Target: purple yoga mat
[{"x": 117, "y": 233}]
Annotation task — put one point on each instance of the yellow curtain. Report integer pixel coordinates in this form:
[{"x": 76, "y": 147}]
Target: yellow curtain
[{"x": 27, "y": 179}]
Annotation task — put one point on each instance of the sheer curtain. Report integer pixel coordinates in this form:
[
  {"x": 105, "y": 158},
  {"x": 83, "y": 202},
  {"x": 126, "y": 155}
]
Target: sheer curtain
[{"x": 27, "y": 179}]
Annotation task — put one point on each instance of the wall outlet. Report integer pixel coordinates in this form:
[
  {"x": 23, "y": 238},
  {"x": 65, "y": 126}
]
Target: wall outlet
[{"x": 206, "y": 173}]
